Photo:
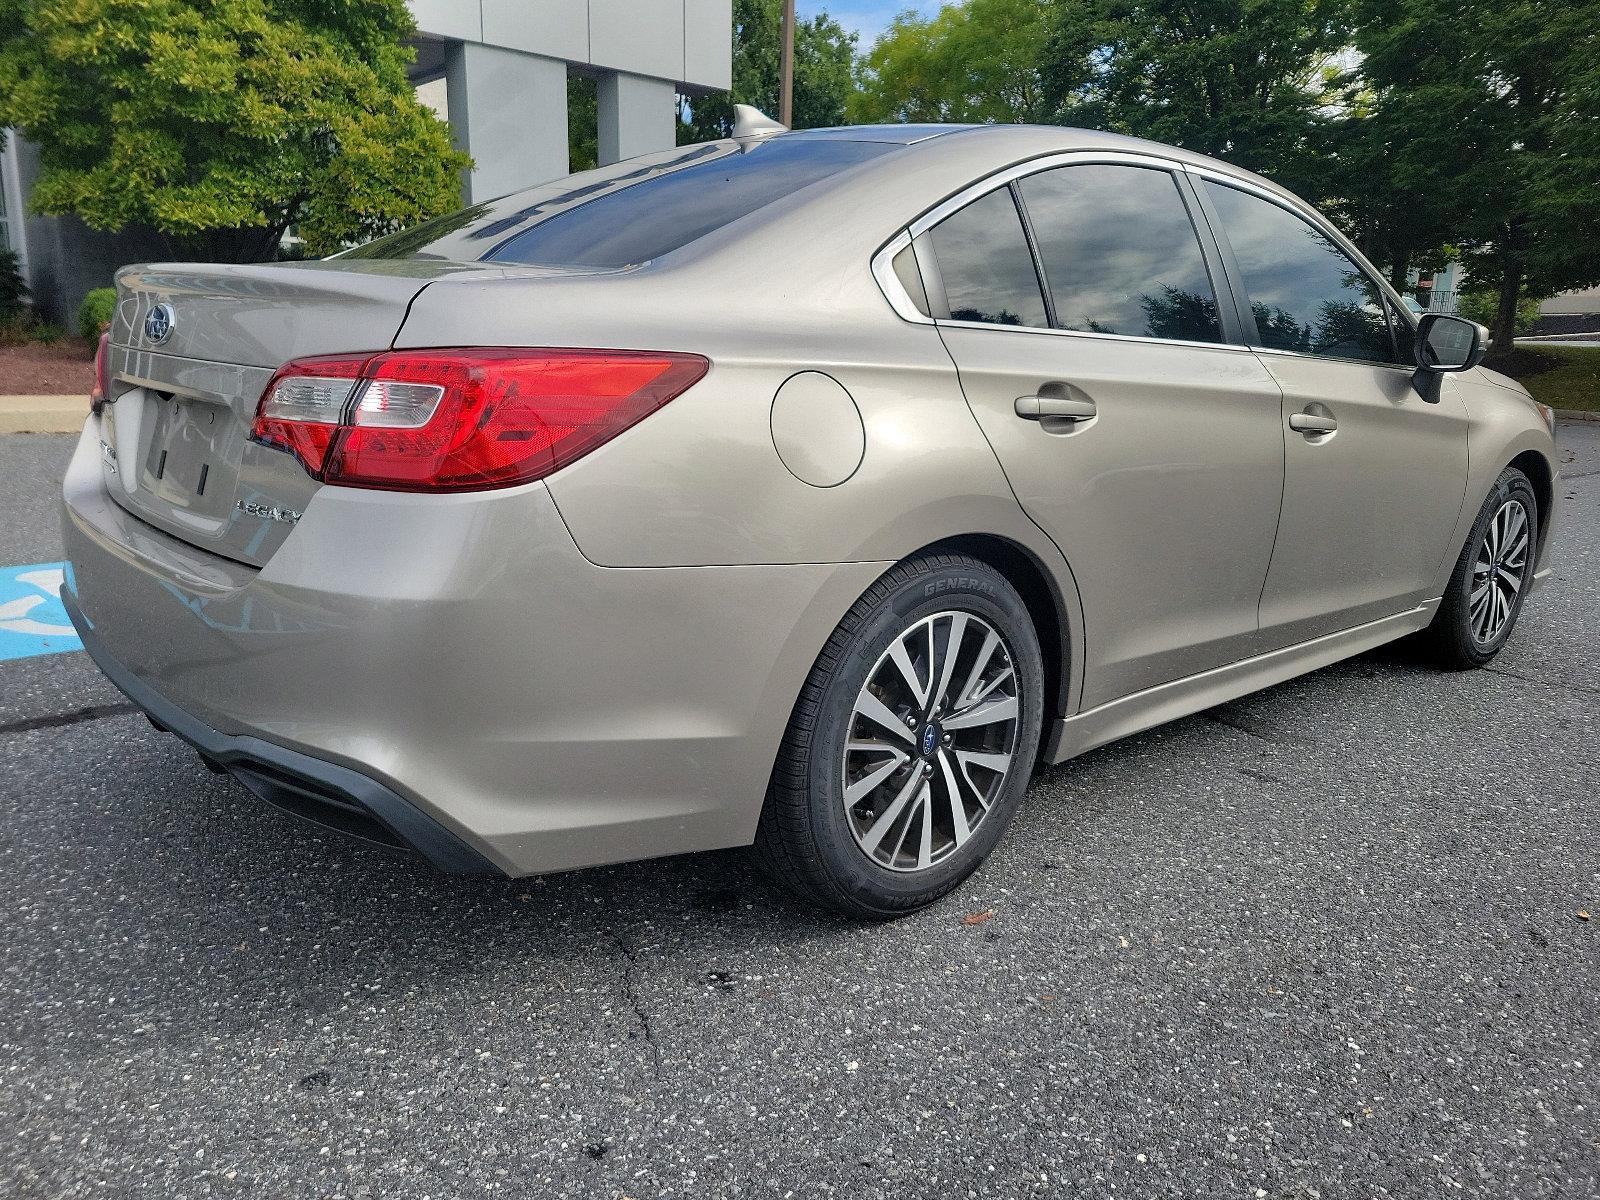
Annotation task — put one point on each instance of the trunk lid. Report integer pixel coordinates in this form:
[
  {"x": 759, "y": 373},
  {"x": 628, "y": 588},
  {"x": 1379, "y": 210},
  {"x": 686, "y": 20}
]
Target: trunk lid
[{"x": 192, "y": 347}]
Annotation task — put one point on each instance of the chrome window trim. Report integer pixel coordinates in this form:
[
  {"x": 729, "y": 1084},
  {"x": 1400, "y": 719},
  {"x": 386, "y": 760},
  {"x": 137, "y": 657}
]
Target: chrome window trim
[
  {"x": 1033, "y": 166},
  {"x": 883, "y": 269},
  {"x": 1104, "y": 337},
  {"x": 1331, "y": 358},
  {"x": 889, "y": 284}
]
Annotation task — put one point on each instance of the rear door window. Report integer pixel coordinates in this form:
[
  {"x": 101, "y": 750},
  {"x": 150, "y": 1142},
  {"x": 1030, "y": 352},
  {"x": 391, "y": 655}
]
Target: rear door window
[
  {"x": 1306, "y": 294},
  {"x": 986, "y": 265},
  {"x": 1120, "y": 253}
]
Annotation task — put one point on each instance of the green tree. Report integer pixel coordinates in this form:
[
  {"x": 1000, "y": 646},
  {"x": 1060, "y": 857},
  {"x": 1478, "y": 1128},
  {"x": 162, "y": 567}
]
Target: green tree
[
  {"x": 1393, "y": 210},
  {"x": 1244, "y": 80},
  {"x": 1483, "y": 307},
  {"x": 975, "y": 61},
  {"x": 222, "y": 123},
  {"x": 13, "y": 288},
  {"x": 824, "y": 64},
  {"x": 1491, "y": 123},
  {"x": 583, "y": 123}
]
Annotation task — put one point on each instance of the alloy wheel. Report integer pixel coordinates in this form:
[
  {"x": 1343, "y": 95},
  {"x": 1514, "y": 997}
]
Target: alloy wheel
[
  {"x": 931, "y": 741},
  {"x": 1498, "y": 572}
]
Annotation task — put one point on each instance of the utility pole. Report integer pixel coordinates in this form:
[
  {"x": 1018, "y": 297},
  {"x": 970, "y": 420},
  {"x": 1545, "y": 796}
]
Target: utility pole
[{"x": 786, "y": 84}]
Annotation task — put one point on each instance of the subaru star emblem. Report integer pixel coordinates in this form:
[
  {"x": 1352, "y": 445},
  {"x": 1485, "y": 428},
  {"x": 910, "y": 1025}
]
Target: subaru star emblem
[
  {"x": 930, "y": 737},
  {"x": 158, "y": 324}
]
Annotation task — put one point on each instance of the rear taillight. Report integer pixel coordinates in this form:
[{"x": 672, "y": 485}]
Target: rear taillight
[
  {"x": 461, "y": 420},
  {"x": 101, "y": 395}
]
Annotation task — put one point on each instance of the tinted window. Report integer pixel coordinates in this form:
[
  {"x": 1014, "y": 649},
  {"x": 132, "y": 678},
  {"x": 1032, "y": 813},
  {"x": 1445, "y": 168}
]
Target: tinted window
[
  {"x": 1405, "y": 336},
  {"x": 986, "y": 265},
  {"x": 632, "y": 212},
  {"x": 1120, "y": 253},
  {"x": 910, "y": 276},
  {"x": 1305, "y": 292}
]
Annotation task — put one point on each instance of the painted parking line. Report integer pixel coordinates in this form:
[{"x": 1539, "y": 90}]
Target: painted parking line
[{"x": 32, "y": 619}]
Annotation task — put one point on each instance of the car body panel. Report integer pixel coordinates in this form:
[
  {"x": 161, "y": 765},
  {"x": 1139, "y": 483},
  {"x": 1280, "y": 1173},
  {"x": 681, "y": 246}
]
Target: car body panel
[
  {"x": 1368, "y": 510},
  {"x": 1165, "y": 503},
  {"x": 601, "y": 665},
  {"x": 1092, "y": 727},
  {"x": 401, "y": 637},
  {"x": 1504, "y": 425}
]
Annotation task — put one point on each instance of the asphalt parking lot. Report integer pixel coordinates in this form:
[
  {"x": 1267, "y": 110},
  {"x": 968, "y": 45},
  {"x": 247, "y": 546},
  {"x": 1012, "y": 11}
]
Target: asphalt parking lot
[{"x": 1322, "y": 942}]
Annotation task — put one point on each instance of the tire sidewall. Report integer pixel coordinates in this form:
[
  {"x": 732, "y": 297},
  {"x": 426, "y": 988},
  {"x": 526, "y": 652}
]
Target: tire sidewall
[
  {"x": 1512, "y": 484},
  {"x": 971, "y": 588}
]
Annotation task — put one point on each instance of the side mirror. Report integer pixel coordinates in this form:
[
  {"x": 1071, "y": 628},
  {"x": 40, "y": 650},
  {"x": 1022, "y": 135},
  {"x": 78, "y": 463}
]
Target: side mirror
[
  {"x": 1445, "y": 344},
  {"x": 1449, "y": 343}
]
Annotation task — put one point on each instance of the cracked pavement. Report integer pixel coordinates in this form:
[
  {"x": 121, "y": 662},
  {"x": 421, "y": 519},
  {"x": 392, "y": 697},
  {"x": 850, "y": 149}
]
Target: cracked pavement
[{"x": 1320, "y": 942}]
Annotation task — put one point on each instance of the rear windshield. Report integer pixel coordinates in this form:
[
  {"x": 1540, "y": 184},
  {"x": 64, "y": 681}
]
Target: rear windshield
[{"x": 631, "y": 213}]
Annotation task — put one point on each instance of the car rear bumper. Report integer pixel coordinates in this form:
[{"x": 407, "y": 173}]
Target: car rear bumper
[
  {"x": 323, "y": 792},
  {"x": 460, "y": 655}
]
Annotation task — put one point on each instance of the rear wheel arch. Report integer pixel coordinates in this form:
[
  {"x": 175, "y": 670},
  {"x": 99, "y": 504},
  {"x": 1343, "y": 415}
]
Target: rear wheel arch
[
  {"x": 806, "y": 837},
  {"x": 1046, "y": 606}
]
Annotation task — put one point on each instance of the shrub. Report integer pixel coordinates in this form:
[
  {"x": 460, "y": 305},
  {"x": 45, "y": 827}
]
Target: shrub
[
  {"x": 1481, "y": 306},
  {"x": 47, "y": 334},
  {"x": 13, "y": 289},
  {"x": 95, "y": 312}
]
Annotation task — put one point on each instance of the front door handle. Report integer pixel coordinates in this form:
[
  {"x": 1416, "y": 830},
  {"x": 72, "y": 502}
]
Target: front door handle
[
  {"x": 1308, "y": 422},
  {"x": 1037, "y": 408}
]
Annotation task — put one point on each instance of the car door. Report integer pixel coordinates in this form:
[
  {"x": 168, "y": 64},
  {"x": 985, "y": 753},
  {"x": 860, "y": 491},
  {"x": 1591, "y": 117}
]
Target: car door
[
  {"x": 1374, "y": 472},
  {"x": 1078, "y": 304}
]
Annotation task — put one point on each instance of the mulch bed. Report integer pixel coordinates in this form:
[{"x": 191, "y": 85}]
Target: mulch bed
[{"x": 64, "y": 369}]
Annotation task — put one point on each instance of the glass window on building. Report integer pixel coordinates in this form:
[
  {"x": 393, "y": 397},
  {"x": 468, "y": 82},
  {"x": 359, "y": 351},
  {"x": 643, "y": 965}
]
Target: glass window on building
[{"x": 6, "y": 240}]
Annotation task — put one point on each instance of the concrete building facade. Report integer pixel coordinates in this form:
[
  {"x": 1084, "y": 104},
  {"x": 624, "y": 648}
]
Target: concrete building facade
[
  {"x": 497, "y": 71},
  {"x": 505, "y": 63}
]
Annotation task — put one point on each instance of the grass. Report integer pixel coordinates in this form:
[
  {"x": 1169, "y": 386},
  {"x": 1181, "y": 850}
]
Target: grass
[{"x": 1560, "y": 376}]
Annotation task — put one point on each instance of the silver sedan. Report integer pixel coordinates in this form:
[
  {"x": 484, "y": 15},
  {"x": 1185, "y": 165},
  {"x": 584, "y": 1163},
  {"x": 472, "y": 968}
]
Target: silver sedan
[{"x": 800, "y": 489}]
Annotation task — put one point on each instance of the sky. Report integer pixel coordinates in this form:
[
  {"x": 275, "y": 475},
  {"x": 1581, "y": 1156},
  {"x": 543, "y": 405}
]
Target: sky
[{"x": 868, "y": 18}]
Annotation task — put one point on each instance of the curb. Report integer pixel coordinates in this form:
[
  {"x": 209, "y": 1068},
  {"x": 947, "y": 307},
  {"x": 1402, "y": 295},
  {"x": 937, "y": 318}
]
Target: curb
[
  {"x": 1575, "y": 414},
  {"x": 43, "y": 414}
]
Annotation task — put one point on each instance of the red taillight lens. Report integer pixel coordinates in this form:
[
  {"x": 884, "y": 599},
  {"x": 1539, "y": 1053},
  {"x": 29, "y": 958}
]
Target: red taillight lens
[
  {"x": 305, "y": 403},
  {"x": 462, "y": 420},
  {"x": 102, "y": 374}
]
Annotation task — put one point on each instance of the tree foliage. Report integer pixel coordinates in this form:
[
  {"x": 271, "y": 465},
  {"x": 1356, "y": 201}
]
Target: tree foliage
[
  {"x": 223, "y": 122},
  {"x": 583, "y": 123},
  {"x": 824, "y": 57},
  {"x": 13, "y": 288},
  {"x": 1489, "y": 117},
  {"x": 1389, "y": 209},
  {"x": 1484, "y": 308},
  {"x": 1239, "y": 79},
  {"x": 978, "y": 61}
]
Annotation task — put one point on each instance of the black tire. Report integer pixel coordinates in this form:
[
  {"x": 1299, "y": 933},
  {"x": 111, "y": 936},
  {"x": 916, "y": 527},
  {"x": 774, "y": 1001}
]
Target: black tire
[
  {"x": 1450, "y": 639},
  {"x": 805, "y": 837}
]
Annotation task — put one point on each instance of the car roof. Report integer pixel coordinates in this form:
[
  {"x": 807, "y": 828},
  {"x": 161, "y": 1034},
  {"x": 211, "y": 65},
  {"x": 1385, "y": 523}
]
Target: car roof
[
  {"x": 1026, "y": 141},
  {"x": 899, "y": 135}
]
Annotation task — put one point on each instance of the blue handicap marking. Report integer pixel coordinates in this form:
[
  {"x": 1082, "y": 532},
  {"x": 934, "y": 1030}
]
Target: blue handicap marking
[{"x": 32, "y": 620}]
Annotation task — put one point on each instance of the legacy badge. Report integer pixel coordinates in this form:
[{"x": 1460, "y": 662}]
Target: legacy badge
[{"x": 267, "y": 512}]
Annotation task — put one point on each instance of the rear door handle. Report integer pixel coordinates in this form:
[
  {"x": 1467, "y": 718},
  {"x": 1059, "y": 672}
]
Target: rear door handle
[
  {"x": 1304, "y": 422},
  {"x": 1036, "y": 408}
]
